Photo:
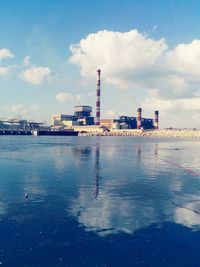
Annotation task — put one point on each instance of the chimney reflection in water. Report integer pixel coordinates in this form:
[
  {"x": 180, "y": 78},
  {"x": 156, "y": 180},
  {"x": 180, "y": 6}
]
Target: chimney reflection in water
[{"x": 97, "y": 171}]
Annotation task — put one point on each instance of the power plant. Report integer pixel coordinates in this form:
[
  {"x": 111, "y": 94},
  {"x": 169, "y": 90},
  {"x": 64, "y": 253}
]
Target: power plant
[{"x": 83, "y": 117}]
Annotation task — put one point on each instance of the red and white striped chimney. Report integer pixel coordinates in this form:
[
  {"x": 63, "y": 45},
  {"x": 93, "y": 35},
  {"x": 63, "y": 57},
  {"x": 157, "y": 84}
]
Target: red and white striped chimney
[
  {"x": 156, "y": 120},
  {"x": 97, "y": 121},
  {"x": 139, "y": 112}
]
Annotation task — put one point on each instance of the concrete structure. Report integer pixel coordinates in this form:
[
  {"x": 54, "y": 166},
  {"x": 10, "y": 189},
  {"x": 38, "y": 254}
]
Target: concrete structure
[
  {"x": 108, "y": 123},
  {"x": 61, "y": 119},
  {"x": 98, "y": 94},
  {"x": 71, "y": 123},
  {"x": 82, "y": 116},
  {"x": 156, "y": 120},
  {"x": 89, "y": 128}
]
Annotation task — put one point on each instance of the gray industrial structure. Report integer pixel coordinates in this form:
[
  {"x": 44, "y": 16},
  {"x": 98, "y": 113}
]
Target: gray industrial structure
[
  {"x": 126, "y": 122},
  {"x": 20, "y": 124},
  {"x": 83, "y": 117}
]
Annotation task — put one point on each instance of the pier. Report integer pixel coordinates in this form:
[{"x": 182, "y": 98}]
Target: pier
[{"x": 39, "y": 132}]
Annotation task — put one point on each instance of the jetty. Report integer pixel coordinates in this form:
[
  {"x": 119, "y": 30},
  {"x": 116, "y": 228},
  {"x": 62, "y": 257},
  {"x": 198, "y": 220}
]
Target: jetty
[{"x": 162, "y": 133}]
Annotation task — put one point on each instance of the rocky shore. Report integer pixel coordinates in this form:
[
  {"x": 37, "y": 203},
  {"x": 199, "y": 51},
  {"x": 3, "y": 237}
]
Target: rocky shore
[{"x": 165, "y": 133}]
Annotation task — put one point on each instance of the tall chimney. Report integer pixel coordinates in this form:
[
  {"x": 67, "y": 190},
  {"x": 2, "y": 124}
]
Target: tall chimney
[
  {"x": 97, "y": 121},
  {"x": 139, "y": 112},
  {"x": 156, "y": 120}
]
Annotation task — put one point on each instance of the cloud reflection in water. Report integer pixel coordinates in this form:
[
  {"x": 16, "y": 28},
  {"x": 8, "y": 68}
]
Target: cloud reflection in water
[{"x": 140, "y": 198}]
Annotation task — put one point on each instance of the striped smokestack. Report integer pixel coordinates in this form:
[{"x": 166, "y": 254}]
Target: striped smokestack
[
  {"x": 97, "y": 122},
  {"x": 156, "y": 120},
  {"x": 139, "y": 112}
]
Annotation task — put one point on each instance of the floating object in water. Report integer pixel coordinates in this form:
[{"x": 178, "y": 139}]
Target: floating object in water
[{"x": 26, "y": 195}]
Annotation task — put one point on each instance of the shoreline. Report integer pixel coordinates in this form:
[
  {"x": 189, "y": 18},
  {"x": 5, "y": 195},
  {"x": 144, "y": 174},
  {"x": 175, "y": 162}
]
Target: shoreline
[{"x": 165, "y": 133}]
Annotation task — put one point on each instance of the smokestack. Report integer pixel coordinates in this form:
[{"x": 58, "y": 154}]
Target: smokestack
[
  {"x": 97, "y": 122},
  {"x": 156, "y": 120},
  {"x": 139, "y": 112}
]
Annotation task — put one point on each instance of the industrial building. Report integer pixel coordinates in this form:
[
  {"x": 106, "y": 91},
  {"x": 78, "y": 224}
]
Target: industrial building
[
  {"x": 82, "y": 116},
  {"x": 64, "y": 120},
  {"x": 126, "y": 122},
  {"x": 19, "y": 124}
]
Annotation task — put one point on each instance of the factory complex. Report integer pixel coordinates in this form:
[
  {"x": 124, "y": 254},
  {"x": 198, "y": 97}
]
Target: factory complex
[{"x": 82, "y": 119}]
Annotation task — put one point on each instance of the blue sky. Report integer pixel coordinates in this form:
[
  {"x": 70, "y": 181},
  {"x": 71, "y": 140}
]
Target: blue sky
[{"x": 148, "y": 52}]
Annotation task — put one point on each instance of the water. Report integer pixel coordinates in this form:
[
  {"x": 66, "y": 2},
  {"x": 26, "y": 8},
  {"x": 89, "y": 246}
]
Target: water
[{"x": 99, "y": 201}]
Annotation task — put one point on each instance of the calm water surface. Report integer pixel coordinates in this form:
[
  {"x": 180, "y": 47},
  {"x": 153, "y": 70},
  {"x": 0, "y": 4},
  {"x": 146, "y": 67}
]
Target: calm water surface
[{"x": 99, "y": 201}]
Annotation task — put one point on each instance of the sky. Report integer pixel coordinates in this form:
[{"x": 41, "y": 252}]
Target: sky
[{"x": 148, "y": 53}]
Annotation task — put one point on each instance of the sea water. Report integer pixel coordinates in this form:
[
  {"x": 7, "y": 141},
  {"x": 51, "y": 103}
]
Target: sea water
[{"x": 99, "y": 201}]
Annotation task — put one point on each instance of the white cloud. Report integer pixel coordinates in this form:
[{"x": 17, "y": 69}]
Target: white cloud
[
  {"x": 5, "y": 53},
  {"x": 78, "y": 97},
  {"x": 172, "y": 104},
  {"x": 64, "y": 97},
  {"x": 35, "y": 75},
  {"x": 117, "y": 54},
  {"x": 18, "y": 108},
  {"x": 91, "y": 94},
  {"x": 134, "y": 60},
  {"x": 111, "y": 113},
  {"x": 4, "y": 71},
  {"x": 196, "y": 116},
  {"x": 26, "y": 61},
  {"x": 34, "y": 107}
]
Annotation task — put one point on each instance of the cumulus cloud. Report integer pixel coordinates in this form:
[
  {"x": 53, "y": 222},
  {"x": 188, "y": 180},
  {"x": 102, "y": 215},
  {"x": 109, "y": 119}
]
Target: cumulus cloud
[
  {"x": 18, "y": 108},
  {"x": 120, "y": 55},
  {"x": 78, "y": 97},
  {"x": 5, "y": 53},
  {"x": 134, "y": 60},
  {"x": 64, "y": 97},
  {"x": 4, "y": 71},
  {"x": 24, "y": 110},
  {"x": 35, "y": 75},
  {"x": 34, "y": 107},
  {"x": 173, "y": 104},
  {"x": 111, "y": 113}
]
